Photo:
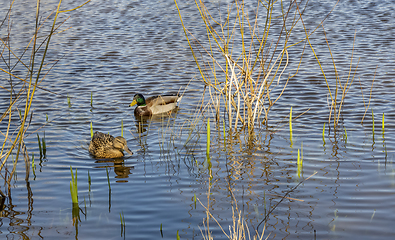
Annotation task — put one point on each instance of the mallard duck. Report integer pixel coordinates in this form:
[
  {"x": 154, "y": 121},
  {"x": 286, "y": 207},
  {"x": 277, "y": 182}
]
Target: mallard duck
[
  {"x": 106, "y": 146},
  {"x": 154, "y": 105}
]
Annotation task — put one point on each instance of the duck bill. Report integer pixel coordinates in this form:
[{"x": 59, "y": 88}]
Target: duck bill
[
  {"x": 133, "y": 103},
  {"x": 128, "y": 150}
]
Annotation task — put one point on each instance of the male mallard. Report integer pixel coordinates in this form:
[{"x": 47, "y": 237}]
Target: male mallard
[
  {"x": 106, "y": 146},
  {"x": 154, "y": 105}
]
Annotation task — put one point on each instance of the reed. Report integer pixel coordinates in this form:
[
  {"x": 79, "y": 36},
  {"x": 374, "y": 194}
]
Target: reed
[
  {"x": 33, "y": 166},
  {"x": 208, "y": 138},
  {"x": 89, "y": 181},
  {"x": 123, "y": 226},
  {"x": 382, "y": 127},
  {"x": 68, "y": 101},
  {"x": 238, "y": 62},
  {"x": 299, "y": 164},
  {"x": 91, "y": 99},
  {"x": 382, "y": 124},
  {"x": 44, "y": 146},
  {"x": 73, "y": 186},
  {"x": 178, "y": 236},
  {"x": 194, "y": 199},
  {"x": 108, "y": 179},
  {"x": 345, "y": 135},
  {"x": 323, "y": 134},
  {"x": 39, "y": 146},
  {"x": 91, "y": 130},
  {"x": 290, "y": 125},
  {"x": 24, "y": 78}
]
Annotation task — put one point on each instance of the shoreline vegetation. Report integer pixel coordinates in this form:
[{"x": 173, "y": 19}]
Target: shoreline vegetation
[
  {"x": 244, "y": 64},
  {"x": 25, "y": 73}
]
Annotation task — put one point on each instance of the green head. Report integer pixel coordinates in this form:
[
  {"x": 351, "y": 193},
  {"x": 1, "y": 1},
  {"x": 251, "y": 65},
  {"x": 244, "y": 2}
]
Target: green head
[{"x": 139, "y": 100}]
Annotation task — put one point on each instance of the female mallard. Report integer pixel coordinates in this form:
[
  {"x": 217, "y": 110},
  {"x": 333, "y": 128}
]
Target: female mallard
[
  {"x": 106, "y": 146},
  {"x": 154, "y": 105}
]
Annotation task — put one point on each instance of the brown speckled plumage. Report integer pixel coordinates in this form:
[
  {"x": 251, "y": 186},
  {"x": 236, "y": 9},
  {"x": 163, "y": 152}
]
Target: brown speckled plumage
[{"x": 106, "y": 146}]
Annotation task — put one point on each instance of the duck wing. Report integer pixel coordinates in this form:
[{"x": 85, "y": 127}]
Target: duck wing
[{"x": 161, "y": 100}]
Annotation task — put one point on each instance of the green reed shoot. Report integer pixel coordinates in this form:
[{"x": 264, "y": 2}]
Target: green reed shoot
[
  {"x": 91, "y": 130},
  {"x": 39, "y": 146},
  {"x": 323, "y": 134},
  {"x": 290, "y": 122},
  {"x": 68, "y": 101},
  {"x": 33, "y": 166},
  {"x": 178, "y": 236},
  {"x": 208, "y": 138},
  {"x": 44, "y": 146},
  {"x": 122, "y": 223},
  {"x": 89, "y": 181},
  {"x": 345, "y": 135},
  {"x": 194, "y": 199},
  {"x": 121, "y": 127},
  {"x": 46, "y": 115},
  {"x": 382, "y": 125},
  {"x": 160, "y": 229},
  {"x": 300, "y": 162},
  {"x": 73, "y": 186},
  {"x": 91, "y": 99},
  {"x": 108, "y": 179}
]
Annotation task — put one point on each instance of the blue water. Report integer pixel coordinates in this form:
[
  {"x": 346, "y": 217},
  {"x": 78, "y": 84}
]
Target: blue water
[{"x": 114, "y": 50}]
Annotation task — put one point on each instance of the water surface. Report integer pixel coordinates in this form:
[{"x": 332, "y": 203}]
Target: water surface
[{"x": 114, "y": 50}]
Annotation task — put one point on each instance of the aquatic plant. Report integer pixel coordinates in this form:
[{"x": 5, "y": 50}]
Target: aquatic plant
[
  {"x": 108, "y": 179},
  {"x": 237, "y": 60},
  {"x": 208, "y": 138},
  {"x": 123, "y": 226},
  {"x": 345, "y": 135},
  {"x": 33, "y": 166},
  {"x": 91, "y": 130},
  {"x": 91, "y": 99},
  {"x": 25, "y": 72},
  {"x": 382, "y": 127},
  {"x": 290, "y": 126},
  {"x": 73, "y": 186},
  {"x": 89, "y": 181},
  {"x": 39, "y": 146},
  {"x": 68, "y": 101},
  {"x": 44, "y": 146}
]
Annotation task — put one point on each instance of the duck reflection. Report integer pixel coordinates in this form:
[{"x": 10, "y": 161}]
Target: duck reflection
[
  {"x": 122, "y": 172},
  {"x": 142, "y": 123}
]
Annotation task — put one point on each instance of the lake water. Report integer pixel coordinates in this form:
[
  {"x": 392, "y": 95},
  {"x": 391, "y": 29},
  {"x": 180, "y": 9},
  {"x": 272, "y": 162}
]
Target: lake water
[{"x": 116, "y": 49}]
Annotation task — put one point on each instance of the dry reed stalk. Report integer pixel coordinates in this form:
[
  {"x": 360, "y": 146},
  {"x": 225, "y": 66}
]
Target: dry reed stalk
[
  {"x": 247, "y": 72},
  {"x": 28, "y": 86}
]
